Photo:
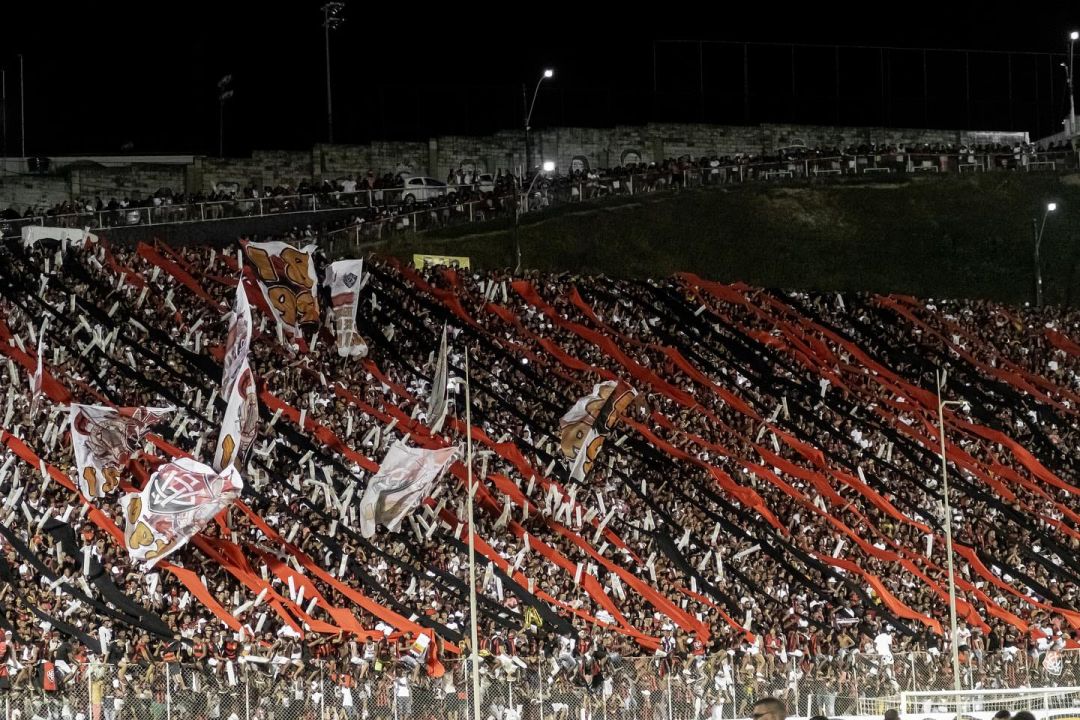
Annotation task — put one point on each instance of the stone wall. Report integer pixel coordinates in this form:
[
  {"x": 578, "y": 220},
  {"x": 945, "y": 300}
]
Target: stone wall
[
  {"x": 27, "y": 191},
  {"x": 569, "y": 148}
]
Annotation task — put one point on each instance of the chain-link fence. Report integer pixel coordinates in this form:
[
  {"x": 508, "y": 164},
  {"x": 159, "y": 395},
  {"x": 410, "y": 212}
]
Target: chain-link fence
[{"x": 546, "y": 688}]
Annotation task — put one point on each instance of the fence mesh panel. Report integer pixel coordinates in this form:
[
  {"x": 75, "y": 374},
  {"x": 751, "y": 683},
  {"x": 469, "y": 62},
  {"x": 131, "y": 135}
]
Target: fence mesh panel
[{"x": 545, "y": 688}]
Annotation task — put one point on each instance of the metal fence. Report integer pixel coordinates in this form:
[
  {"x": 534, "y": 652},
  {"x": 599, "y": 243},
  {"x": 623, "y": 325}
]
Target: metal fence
[
  {"x": 677, "y": 688},
  {"x": 400, "y": 210}
]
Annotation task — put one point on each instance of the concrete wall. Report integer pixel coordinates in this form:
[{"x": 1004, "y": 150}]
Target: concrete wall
[{"x": 568, "y": 147}]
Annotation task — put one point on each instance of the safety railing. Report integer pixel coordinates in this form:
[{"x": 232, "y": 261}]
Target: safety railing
[
  {"x": 402, "y": 209},
  {"x": 677, "y": 687}
]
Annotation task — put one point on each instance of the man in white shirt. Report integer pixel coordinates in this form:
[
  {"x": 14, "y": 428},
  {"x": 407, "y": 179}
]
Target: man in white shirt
[{"x": 403, "y": 696}]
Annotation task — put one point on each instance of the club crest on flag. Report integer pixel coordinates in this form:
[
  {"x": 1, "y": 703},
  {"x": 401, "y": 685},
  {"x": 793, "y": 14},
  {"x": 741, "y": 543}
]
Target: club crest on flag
[
  {"x": 584, "y": 427},
  {"x": 179, "y": 499},
  {"x": 105, "y": 439},
  {"x": 343, "y": 280}
]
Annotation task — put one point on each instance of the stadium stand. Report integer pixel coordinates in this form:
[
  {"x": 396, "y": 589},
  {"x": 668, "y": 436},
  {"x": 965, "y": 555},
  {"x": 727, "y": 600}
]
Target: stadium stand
[
  {"x": 764, "y": 518},
  {"x": 381, "y": 205}
]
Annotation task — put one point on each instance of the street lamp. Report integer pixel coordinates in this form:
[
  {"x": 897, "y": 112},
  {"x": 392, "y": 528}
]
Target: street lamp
[
  {"x": 224, "y": 93},
  {"x": 1037, "y": 230},
  {"x": 953, "y": 646},
  {"x": 1073, "y": 37},
  {"x": 331, "y": 20},
  {"x": 546, "y": 167},
  {"x": 546, "y": 75}
]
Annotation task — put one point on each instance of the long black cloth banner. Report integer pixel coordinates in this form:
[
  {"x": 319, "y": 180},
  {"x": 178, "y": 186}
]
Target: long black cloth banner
[
  {"x": 155, "y": 626},
  {"x": 91, "y": 643}
]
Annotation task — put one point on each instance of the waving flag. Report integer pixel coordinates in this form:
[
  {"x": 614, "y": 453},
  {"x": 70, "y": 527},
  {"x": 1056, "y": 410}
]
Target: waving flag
[
  {"x": 105, "y": 439},
  {"x": 404, "y": 479},
  {"x": 240, "y": 424},
  {"x": 437, "y": 403},
  {"x": 35, "y": 381},
  {"x": 583, "y": 428},
  {"x": 343, "y": 279},
  {"x": 179, "y": 499},
  {"x": 287, "y": 280}
]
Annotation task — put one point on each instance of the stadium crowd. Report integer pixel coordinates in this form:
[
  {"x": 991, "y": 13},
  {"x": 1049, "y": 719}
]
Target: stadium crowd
[{"x": 768, "y": 515}]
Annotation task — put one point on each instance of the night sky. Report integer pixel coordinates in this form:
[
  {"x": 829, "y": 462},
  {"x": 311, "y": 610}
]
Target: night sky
[{"x": 101, "y": 77}]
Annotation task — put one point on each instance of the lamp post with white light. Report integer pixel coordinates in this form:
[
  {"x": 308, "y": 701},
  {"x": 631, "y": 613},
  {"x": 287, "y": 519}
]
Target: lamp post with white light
[
  {"x": 546, "y": 75},
  {"x": 523, "y": 200},
  {"x": 331, "y": 20},
  {"x": 1037, "y": 230},
  {"x": 1073, "y": 37}
]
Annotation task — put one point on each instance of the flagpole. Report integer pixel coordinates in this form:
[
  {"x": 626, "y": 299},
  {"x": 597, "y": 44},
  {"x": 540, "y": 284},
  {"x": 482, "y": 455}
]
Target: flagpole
[{"x": 474, "y": 662}]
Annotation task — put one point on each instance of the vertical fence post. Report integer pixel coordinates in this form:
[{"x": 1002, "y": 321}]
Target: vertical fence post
[
  {"x": 168, "y": 692},
  {"x": 247, "y": 699},
  {"x": 322, "y": 693},
  {"x": 670, "y": 713},
  {"x": 89, "y": 695},
  {"x": 540, "y": 683}
]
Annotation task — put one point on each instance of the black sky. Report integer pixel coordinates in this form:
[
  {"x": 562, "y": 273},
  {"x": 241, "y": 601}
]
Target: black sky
[{"x": 101, "y": 75}]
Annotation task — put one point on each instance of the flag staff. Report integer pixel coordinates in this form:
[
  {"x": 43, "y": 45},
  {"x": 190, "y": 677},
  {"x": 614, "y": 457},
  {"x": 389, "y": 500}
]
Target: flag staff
[{"x": 470, "y": 490}]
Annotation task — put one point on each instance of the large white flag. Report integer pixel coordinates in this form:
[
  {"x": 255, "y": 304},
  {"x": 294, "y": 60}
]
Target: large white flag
[
  {"x": 437, "y": 402},
  {"x": 404, "y": 479},
  {"x": 179, "y": 499},
  {"x": 287, "y": 280},
  {"x": 35, "y": 381},
  {"x": 105, "y": 439},
  {"x": 343, "y": 279},
  {"x": 592, "y": 418},
  {"x": 241, "y": 421}
]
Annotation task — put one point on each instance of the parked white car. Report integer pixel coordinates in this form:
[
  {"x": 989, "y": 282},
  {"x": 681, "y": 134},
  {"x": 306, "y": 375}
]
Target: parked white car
[{"x": 422, "y": 189}]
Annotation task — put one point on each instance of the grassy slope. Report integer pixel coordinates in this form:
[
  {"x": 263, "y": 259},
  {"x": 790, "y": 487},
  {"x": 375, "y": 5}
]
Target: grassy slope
[{"x": 966, "y": 236}]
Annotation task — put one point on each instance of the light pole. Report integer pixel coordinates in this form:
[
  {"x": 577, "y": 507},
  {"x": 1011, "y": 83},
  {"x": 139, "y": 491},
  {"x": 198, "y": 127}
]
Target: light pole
[
  {"x": 546, "y": 75},
  {"x": 224, "y": 93},
  {"x": 1073, "y": 37},
  {"x": 546, "y": 167},
  {"x": 3, "y": 117},
  {"x": 22, "y": 108},
  {"x": 1037, "y": 230},
  {"x": 331, "y": 20},
  {"x": 941, "y": 376}
]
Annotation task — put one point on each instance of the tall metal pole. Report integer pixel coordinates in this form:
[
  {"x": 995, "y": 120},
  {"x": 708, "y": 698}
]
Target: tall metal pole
[
  {"x": 329, "y": 103},
  {"x": 474, "y": 665},
  {"x": 1038, "y": 229},
  {"x": 1037, "y": 236},
  {"x": 1072, "y": 100},
  {"x": 22, "y": 107},
  {"x": 948, "y": 533},
  {"x": 3, "y": 116},
  {"x": 221, "y": 127},
  {"x": 528, "y": 118},
  {"x": 525, "y": 115}
]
